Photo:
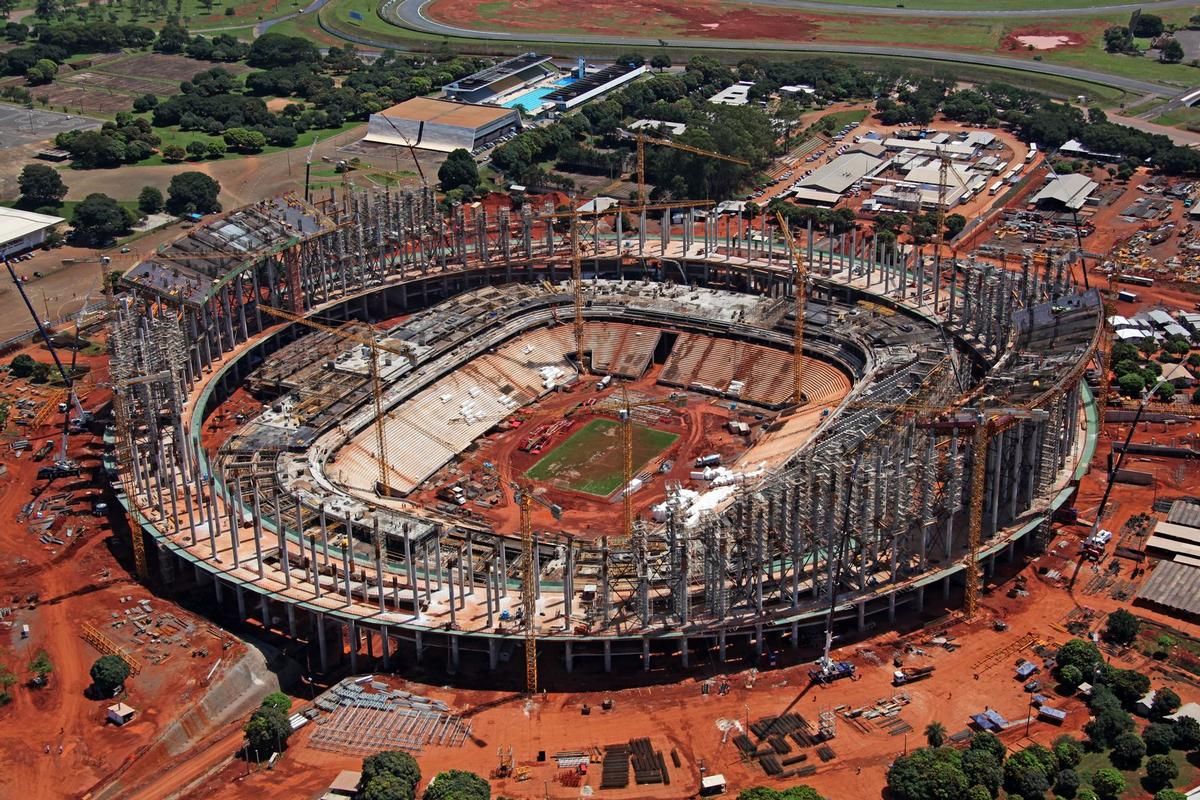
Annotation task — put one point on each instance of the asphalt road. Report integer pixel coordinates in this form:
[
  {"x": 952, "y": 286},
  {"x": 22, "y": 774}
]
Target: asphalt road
[{"x": 410, "y": 14}]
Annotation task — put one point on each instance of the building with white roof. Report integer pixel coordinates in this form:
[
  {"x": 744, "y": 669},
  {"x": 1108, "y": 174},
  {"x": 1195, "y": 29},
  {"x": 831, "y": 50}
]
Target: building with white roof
[
  {"x": 23, "y": 230},
  {"x": 1071, "y": 191},
  {"x": 736, "y": 95},
  {"x": 674, "y": 128}
]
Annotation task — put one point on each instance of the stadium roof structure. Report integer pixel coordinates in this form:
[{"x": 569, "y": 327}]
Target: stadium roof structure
[{"x": 495, "y": 73}]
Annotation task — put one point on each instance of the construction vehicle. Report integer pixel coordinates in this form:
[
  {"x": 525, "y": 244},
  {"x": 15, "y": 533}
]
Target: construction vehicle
[
  {"x": 911, "y": 674},
  {"x": 829, "y": 671},
  {"x": 63, "y": 466}
]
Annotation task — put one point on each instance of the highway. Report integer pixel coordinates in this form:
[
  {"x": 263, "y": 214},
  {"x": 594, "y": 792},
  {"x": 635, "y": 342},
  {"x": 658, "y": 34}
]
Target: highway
[{"x": 410, "y": 14}]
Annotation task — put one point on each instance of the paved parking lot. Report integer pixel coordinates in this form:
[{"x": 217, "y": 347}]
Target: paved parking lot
[{"x": 21, "y": 126}]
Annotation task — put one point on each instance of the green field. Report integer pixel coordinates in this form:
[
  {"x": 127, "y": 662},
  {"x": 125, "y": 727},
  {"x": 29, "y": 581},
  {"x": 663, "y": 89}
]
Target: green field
[{"x": 590, "y": 459}]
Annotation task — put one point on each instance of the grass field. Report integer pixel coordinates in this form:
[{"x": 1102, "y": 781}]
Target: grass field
[{"x": 590, "y": 459}]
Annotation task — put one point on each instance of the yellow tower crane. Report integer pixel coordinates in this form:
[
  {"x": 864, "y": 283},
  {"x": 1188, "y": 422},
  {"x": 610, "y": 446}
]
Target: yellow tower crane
[
  {"x": 800, "y": 288},
  {"x": 577, "y": 255},
  {"x": 643, "y": 140},
  {"x": 384, "y": 483}
]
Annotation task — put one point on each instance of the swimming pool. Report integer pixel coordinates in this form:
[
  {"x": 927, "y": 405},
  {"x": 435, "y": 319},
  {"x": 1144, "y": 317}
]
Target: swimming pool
[{"x": 532, "y": 100}]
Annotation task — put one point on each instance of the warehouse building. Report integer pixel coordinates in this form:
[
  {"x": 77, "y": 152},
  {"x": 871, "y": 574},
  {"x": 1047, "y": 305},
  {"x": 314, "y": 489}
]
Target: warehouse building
[
  {"x": 1068, "y": 191},
  {"x": 440, "y": 125},
  {"x": 490, "y": 83},
  {"x": 827, "y": 184},
  {"x": 23, "y": 230}
]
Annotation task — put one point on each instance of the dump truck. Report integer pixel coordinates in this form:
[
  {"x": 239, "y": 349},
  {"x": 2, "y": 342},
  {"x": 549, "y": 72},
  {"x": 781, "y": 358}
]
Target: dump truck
[{"x": 911, "y": 675}]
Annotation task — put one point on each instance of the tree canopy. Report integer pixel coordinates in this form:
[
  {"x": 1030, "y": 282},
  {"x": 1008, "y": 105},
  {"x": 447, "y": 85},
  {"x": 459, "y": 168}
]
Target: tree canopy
[
  {"x": 41, "y": 185},
  {"x": 459, "y": 169},
  {"x": 457, "y": 784},
  {"x": 389, "y": 775},
  {"x": 99, "y": 219},
  {"x": 193, "y": 192},
  {"x": 109, "y": 673},
  {"x": 1121, "y": 627}
]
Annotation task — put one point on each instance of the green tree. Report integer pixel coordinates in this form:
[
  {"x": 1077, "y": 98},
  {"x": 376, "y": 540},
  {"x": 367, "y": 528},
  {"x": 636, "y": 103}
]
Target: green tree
[
  {"x": 108, "y": 674},
  {"x": 1159, "y": 738},
  {"x": 22, "y": 366},
  {"x": 196, "y": 148},
  {"x": 1025, "y": 774},
  {"x": 928, "y": 774},
  {"x": 150, "y": 200},
  {"x": 459, "y": 169},
  {"x": 41, "y": 666},
  {"x": 1078, "y": 653},
  {"x": 978, "y": 793},
  {"x": 1121, "y": 627},
  {"x": 1166, "y": 702},
  {"x": 982, "y": 768},
  {"x": 1068, "y": 751},
  {"x": 1160, "y": 771},
  {"x": 278, "y": 700},
  {"x": 1128, "y": 751},
  {"x": 1169, "y": 794},
  {"x": 193, "y": 192},
  {"x": 457, "y": 784},
  {"x": 1148, "y": 26},
  {"x": 244, "y": 140},
  {"x": 42, "y": 72},
  {"x": 41, "y": 185},
  {"x": 660, "y": 62},
  {"x": 1128, "y": 685},
  {"x": 1187, "y": 733},
  {"x": 1108, "y": 783},
  {"x": 1066, "y": 783},
  {"x": 1070, "y": 677},
  {"x": 267, "y": 731},
  {"x": 172, "y": 38},
  {"x": 954, "y": 225},
  {"x": 99, "y": 219},
  {"x": 173, "y": 153},
  {"x": 395, "y": 763},
  {"x": 1165, "y": 393},
  {"x": 385, "y": 787},
  {"x": 7, "y": 679},
  {"x": 935, "y": 734},
  {"x": 989, "y": 742},
  {"x": 1131, "y": 385},
  {"x": 216, "y": 149}
]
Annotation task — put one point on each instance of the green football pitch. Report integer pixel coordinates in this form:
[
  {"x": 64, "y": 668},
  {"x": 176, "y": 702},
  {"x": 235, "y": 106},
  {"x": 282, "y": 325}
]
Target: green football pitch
[{"x": 590, "y": 459}]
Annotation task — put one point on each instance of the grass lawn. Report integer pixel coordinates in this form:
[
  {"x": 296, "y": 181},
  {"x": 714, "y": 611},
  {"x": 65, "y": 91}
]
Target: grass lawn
[
  {"x": 1180, "y": 118},
  {"x": 839, "y": 118},
  {"x": 171, "y": 136},
  {"x": 1133, "y": 778},
  {"x": 195, "y": 14},
  {"x": 590, "y": 459}
]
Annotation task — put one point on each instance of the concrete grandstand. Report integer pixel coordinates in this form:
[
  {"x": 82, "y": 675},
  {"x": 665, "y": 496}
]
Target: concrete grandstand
[{"x": 283, "y": 509}]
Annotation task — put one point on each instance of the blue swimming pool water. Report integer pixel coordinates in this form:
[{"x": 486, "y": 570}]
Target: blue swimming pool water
[{"x": 531, "y": 100}]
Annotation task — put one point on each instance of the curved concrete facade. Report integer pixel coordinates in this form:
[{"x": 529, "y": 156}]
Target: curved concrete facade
[{"x": 886, "y": 492}]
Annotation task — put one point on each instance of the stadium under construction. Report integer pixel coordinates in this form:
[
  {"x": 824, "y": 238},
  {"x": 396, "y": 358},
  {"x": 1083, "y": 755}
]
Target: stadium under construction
[{"x": 393, "y": 350}]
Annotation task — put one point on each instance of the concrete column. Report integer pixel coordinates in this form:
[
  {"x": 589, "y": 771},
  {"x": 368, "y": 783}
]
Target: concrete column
[
  {"x": 608, "y": 655},
  {"x": 324, "y": 655},
  {"x": 494, "y": 654},
  {"x": 454, "y": 652},
  {"x": 351, "y": 633},
  {"x": 683, "y": 652},
  {"x": 862, "y": 615}
]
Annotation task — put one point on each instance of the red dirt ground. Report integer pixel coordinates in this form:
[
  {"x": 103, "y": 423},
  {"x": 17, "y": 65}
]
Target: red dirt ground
[
  {"x": 700, "y": 430},
  {"x": 1012, "y": 41},
  {"x": 685, "y": 19},
  {"x": 82, "y": 581}
]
